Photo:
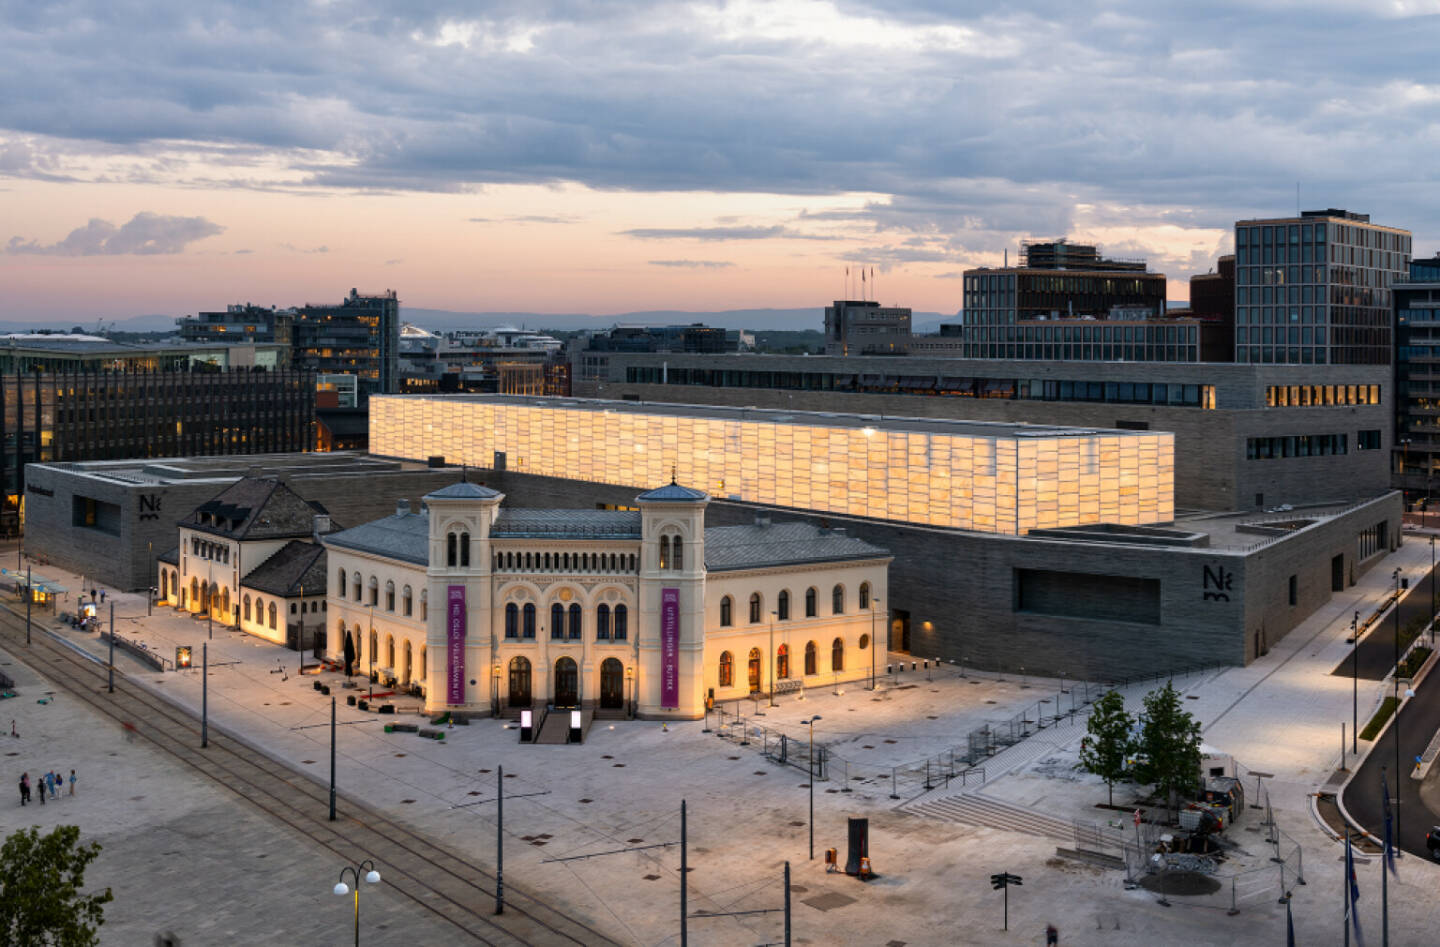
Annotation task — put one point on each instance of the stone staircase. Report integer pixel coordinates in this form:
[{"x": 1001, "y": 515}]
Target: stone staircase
[
  {"x": 974, "y": 809},
  {"x": 556, "y": 728}
]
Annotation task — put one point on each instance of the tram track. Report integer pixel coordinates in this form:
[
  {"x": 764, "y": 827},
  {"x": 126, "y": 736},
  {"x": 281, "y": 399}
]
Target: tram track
[{"x": 434, "y": 877}]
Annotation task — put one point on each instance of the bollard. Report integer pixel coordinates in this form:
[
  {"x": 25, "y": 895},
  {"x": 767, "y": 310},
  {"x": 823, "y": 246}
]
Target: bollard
[
  {"x": 1283, "y": 898},
  {"x": 1234, "y": 908},
  {"x": 847, "y": 776},
  {"x": 893, "y": 793},
  {"x": 928, "y": 787},
  {"x": 1299, "y": 865}
]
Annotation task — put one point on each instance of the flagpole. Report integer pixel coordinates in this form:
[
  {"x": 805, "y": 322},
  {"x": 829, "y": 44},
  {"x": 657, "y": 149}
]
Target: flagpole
[
  {"x": 1345, "y": 887},
  {"x": 1384, "y": 866}
]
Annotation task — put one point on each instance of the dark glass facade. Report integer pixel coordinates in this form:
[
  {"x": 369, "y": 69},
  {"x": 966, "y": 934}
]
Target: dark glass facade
[{"x": 1417, "y": 382}]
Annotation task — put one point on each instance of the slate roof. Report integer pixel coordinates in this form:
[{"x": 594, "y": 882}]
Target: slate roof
[
  {"x": 255, "y": 508},
  {"x": 171, "y": 558},
  {"x": 673, "y": 493},
  {"x": 463, "y": 491},
  {"x": 566, "y": 524},
  {"x": 781, "y": 544},
  {"x": 294, "y": 565},
  {"x": 403, "y": 536}
]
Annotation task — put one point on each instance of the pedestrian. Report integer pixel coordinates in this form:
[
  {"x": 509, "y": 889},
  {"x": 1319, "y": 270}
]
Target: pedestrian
[
  {"x": 48, "y": 784},
  {"x": 59, "y": 782},
  {"x": 40, "y": 785},
  {"x": 24, "y": 788},
  {"x": 1052, "y": 936},
  {"x": 72, "y": 782},
  {"x": 13, "y": 732},
  {"x": 102, "y": 596}
]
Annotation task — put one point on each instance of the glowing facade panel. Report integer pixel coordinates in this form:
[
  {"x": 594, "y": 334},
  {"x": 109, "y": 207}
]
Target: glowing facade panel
[{"x": 1003, "y": 480}]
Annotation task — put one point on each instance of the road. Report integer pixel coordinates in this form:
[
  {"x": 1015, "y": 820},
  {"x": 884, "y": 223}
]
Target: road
[
  {"x": 1377, "y": 649},
  {"x": 436, "y": 878},
  {"x": 1419, "y": 720}
]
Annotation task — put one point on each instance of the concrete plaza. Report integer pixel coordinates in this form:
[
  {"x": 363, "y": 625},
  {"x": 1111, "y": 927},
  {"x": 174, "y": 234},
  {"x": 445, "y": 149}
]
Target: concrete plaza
[{"x": 747, "y": 816}]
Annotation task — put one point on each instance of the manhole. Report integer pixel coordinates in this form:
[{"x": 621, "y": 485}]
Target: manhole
[
  {"x": 889, "y": 741},
  {"x": 136, "y": 798},
  {"x": 538, "y": 841},
  {"x": 759, "y": 772},
  {"x": 732, "y": 757},
  {"x": 989, "y": 701},
  {"x": 618, "y": 765},
  {"x": 12, "y": 754},
  {"x": 509, "y": 775},
  {"x": 799, "y": 825},
  {"x": 584, "y": 802},
  {"x": 406, "y": 801},
  {"x": 307, "y": 762},
  {"x": 932, "y": 717},
  {"x": 398, "y": 755},
  {"x": 484, "y": 771},
  {"x": 651, "y": 877},
  {"x": 798, "y": 889},
  {"x": 633, "y": 841},
  {"x": 867, "y": 747},
  {"x": 832, "y": 790},
  {"x": 607, "y": 756}
]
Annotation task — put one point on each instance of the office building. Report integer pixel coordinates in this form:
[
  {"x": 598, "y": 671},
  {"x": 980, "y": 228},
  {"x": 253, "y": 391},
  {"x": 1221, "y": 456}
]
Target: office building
[
  {"x": 864, "y": 327},
  {"x": 1417, "y": 382},
  {"x": 1125, "y": 588},
  {"x": 1316, "y": 289}
]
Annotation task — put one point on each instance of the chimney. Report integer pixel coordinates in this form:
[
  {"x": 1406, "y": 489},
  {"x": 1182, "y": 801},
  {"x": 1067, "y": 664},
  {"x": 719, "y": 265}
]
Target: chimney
[
  {"x": 322, "y": 525},
  {"x": 838, "y": 531},
  {"x": 762, "y": 518},
  {"x": 402, "y": 507}
]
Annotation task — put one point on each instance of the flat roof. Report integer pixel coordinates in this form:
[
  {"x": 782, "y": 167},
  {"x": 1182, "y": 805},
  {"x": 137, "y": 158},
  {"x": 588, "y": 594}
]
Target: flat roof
[
  {"x": 94, "y": 345},
  {"x": 853, "y": 421},
  {"x": 179, "y": 470}
]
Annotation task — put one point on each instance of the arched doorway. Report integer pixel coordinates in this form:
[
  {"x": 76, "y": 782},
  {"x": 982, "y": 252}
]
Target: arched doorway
[
  {"x": 406, "y": 678},
  {"x": 349, "y": 652},
  {"x": 612, "y": 684},
  {"x": 519, "y": 682},
  {"x": 754, "y": 670},
  {"x": 566, "y": 683}
]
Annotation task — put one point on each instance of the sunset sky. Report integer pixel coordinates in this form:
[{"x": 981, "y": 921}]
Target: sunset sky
[{"x": 581, "y": 156}]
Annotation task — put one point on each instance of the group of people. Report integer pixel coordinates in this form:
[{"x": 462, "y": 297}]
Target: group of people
[{"x": 52, "y": 782}]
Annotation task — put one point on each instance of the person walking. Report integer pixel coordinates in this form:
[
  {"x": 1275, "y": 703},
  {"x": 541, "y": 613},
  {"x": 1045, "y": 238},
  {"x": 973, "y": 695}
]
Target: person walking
[
  {"x": 72, "y": 782},
  {"x": 40, "y": 785},
  {"x": 59, "y": 781},
  {"x": 1052, "y": 936},
  {"x": 24, "y": 788},
  {"x": 48, "y": 784}
]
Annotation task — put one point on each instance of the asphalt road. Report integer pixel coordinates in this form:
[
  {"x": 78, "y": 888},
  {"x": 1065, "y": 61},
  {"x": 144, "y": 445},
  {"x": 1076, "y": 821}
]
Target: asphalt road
[
  {"x": 1377, "y": 649},
  {"x": 1418, "y": 723}
]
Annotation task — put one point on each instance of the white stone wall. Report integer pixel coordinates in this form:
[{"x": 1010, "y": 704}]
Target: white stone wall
[{"x": 355, "y": 614}]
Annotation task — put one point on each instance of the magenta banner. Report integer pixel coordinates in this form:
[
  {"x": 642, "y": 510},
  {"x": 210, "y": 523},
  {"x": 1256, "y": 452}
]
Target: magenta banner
[
  {"x": 455, "y": 645},
  {"x": 669, "y": 648}
]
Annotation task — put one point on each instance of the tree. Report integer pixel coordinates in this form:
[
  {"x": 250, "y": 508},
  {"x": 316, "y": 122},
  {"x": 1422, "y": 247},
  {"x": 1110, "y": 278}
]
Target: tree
[
  {"x": 1168, "y": 753},
  {"x": 40, "y": 881},
  {"x": 1106, "y": 750}
]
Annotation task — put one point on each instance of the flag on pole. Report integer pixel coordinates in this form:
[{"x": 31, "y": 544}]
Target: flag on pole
[
  {"x": 1389, "y": 838},
  {"x": 1289, "y": 925},
  {"x": 1354, "y": 891}
]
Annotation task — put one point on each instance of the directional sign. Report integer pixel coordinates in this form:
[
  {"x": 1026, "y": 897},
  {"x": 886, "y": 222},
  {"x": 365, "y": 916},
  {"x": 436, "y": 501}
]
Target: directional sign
[{"x": 1004, "y": 878}]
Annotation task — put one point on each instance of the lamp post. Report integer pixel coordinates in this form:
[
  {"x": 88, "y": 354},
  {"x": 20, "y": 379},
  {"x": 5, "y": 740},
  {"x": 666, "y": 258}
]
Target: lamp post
[
  {"x": 210, "y": 601},
  {"x": 1432, "y": 581},
  {"x": 1395, "y": 677},
  {"x": 630, "y": 691},
  {"x": 874, "y": 601},
  {"x": 811, "y": 723},
  {"x": 371, "y": 876},
  {"x": 772, "y": 659},
  {"x": 1404, "y": 471},
  {"x": 1355, "y": 684},
  {"x": 302, "y": 629}
]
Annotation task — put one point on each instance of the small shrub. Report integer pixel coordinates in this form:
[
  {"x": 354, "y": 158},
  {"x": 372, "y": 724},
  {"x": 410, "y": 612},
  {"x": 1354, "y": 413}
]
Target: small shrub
[{"x": 1387, "y": 707}]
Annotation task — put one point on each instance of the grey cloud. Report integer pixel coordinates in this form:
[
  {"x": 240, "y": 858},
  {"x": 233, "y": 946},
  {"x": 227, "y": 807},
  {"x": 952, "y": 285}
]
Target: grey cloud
[
  {"x": 294, "y": 249},
  {"x": 144, "y": 234},
  {"x": 720, "y": 233},
  {"x": 395, "y": 262},
  {"x": 693, "y": 264}
]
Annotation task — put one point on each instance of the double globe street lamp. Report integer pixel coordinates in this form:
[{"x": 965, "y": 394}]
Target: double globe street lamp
[{"x": 370, "y": 875}]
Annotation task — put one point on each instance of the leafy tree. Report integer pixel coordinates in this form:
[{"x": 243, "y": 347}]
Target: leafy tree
[
  {"x": 1168, "y": 752},
  {"x": 1106, "y": 750},
  {"x": 40, "y": 881}
]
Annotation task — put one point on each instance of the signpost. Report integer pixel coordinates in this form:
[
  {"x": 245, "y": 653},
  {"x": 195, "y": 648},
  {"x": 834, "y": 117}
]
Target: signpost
[{"x": 1002, "y": 882}]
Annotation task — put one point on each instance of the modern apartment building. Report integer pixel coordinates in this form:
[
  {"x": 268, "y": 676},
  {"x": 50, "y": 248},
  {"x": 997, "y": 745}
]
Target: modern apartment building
[
  {"x": 1316, "y": 289},
  {"x": 1417, "y": 382},
  {"x": 864, "y": 327}
]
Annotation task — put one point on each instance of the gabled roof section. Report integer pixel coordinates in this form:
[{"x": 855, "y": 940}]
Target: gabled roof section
[
  {"x": 673, "y": 492},
  {"x": 781, "y": 544},
  {"x": 463, "y": 491},
  {"x": 170, "y": 558},
  {"x": 566, "y": 524},
  {"x": 256, "y": 508},
  {"x": 294, "y": 566},
  {"x": 404, "y": 536}
]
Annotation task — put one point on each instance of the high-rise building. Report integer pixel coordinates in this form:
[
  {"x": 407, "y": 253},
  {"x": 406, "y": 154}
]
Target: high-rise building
[
  {"x": 864, "y": 327},
  {"x": 1417, "y": 381},
  {"x": 1316, "y": 289},
  {"x": 1056, "y": 297}
]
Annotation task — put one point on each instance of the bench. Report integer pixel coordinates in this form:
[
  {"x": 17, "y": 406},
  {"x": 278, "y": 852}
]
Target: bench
[{"x": 789, "y": 686}]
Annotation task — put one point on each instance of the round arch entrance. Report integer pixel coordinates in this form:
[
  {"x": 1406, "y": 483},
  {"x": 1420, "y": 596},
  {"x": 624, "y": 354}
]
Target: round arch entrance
[
  {"x": 519, "y": 682},
  {"x": 612, "y": 684},
  {"x": 567, "y": 683},
  {"x": 754, "y": 670}
]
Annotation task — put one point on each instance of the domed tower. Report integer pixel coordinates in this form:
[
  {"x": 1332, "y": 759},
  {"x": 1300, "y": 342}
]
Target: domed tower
[
  {"x": 457, "y": 629},
  {"x": 671, "y": 641}
]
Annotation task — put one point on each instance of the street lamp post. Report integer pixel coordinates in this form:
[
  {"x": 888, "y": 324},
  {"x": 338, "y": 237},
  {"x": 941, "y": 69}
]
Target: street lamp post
[
  {"x": 811, "y": 723},
  {"x": 1355, "y": 684},
  {"x": 302, "y": 629},
  {"x": 210, "y": 602},
  {"x": 370, "y": 876},
  {"x": 874, "y": 601},
  {"x": 1432, "y": 581},
  {"x": 1395, "y": 677},
  {"x": 772, "y": 659}
]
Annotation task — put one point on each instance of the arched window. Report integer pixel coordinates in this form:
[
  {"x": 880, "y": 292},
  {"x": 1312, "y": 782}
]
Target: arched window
[
  {"x": 810, "y": 658},
  {"x": 810, "y": 602},
  {"x": 464, "y": 550},
  {"x": 374, "y": 647},
  {"x": 557, "y": 621},
  {"x": 782, "y": 605},
  {"x": 389, "y": 596},
  {"x": 424, "y": 606},
  {"x": 782, "y": 662},
  {"x": 195, "y": 590},
  {"x": 355, "y": 583},
  {"x": 727, "y": 669},
  {"x": 245, "y": 606},
  {"x": 754, "y": 608},
  {"x": 677, "y": 553},
  {"x": 574, "y": 621},
  {"x": 407, "y": 602},
  {"x": 272, "y": 616},
  {"x": 512, "y": 620},
  {"x": 837, "y": 655},
  {"x": 390, "y": 652},
  {"x": 602, "y": 622},
  {"x": 259, "y": 610},
  {"x": 622, "y": 619},
  {"x": 451, "y": 552},
  {"x": 339, "y": 588},
  {"x": 632, "y": 562},
  {"x": 664, "y": 552},
  {"x": 374, "y": 591},
  {"x": 527, "y": 627},
  {"x": 864, "y": 594},
  {"x": 727, "y": 607},
  {"x": 499, "y": 561},
  {"x": 405, "y": 677},
  {"x": 422, "y": 662},
  {"x": 837, "y": 600},
  {"x": 565, "y": 562},
  {"x": 864, "y": 642}
]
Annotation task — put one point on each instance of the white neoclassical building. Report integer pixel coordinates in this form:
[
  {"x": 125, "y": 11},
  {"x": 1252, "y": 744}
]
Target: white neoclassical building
[{"x": 486, "y": 609}]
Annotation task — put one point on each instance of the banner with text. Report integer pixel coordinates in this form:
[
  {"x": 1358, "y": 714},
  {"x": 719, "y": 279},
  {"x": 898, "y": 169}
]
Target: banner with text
[
  {"x": 455, "y": 646},
  {"x": 669, "y": 648}
]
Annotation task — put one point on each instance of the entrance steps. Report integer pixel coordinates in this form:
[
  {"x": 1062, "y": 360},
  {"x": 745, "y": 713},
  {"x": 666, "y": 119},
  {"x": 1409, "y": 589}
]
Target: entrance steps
[
  {"x": 981, "y": 810},
  {"x": 556, "y": 728}
]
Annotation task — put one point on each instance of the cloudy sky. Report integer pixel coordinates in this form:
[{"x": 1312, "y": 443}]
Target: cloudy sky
[{"x": 159, "y": 156}]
